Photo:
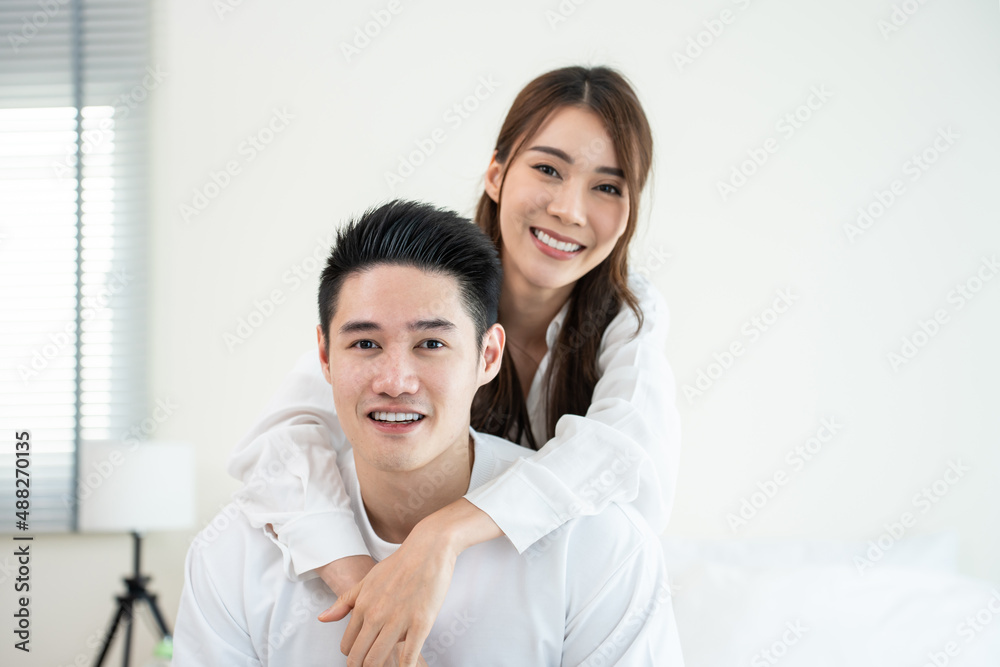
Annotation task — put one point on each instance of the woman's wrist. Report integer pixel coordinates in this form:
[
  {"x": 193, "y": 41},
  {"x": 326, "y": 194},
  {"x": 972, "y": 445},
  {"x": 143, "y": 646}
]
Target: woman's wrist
[
  {"x": 458, "y": 526},
  {"x": 342, "y": 574}
]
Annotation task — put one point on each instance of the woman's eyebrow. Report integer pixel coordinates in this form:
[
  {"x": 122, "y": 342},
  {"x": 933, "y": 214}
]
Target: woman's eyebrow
[{"x": 564, "y": 156}]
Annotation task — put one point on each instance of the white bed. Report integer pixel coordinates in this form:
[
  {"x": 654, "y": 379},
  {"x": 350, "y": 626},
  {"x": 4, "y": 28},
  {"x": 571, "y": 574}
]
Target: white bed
[{"x": 816, "y": 604}]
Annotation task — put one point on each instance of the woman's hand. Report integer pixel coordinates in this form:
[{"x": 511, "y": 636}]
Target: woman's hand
[
  {"x": 399, "y": 600},
  {"x": 342, "y": 574}
]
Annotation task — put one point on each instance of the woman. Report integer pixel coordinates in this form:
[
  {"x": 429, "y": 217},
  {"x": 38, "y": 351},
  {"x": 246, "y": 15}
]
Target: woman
[{"x": 584, "y": 379}]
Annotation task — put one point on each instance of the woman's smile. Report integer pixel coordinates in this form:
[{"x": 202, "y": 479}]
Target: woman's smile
[{"x": 555, "y": 246}]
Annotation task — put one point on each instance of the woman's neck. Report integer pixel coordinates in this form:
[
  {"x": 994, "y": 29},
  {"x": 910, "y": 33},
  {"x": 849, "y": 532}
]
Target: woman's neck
[{"x": 526, "y": 310}]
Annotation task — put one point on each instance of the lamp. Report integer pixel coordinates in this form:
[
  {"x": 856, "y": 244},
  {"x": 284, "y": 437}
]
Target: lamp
[{"x": 135, "y": 488}]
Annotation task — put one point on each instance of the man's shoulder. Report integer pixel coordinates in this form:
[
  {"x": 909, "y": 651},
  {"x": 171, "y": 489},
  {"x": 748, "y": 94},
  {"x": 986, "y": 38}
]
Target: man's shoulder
[
  {"x": 229, "y": 546},
  {"x": 600, "y": 546}
]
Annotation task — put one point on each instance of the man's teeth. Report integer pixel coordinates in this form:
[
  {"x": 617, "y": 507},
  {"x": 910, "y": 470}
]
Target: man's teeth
[
  {"x": 396, "y": 416},
  {"x": 552, "y": 243}
]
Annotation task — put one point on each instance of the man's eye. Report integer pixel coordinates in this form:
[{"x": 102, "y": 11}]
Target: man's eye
[
  {"x": 432, "y": 344},
  {"x": 365, "y": 345}
]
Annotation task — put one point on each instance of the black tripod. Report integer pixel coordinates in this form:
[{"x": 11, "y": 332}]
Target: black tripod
[{"x": 137, "y": 592}]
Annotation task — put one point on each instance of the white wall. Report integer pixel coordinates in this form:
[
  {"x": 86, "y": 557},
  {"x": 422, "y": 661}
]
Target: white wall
[{"x": 825, "y": 358}]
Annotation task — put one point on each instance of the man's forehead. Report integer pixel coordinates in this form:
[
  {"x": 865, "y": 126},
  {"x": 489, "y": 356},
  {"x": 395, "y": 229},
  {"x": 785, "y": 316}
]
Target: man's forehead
[{"x": 400, "y": 297}]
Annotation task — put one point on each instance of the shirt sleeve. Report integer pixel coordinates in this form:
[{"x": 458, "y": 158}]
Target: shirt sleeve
[
  {"x": 627, "y": 617},
  {"x": 207, "y": 632},
  {"x": 288, "y": 464},
  {"x": 626, "y": 449}
]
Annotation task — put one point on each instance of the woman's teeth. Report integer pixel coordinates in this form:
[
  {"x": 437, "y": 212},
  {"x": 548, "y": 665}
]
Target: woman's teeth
[
  {"x": 552, "y": 243},
  {"x": 396, "y": 416}
]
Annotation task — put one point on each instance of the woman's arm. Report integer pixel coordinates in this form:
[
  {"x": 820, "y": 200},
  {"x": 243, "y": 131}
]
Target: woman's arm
[
  {"x": 626, "y": 450},
  {"x": 293, "y": 487}
]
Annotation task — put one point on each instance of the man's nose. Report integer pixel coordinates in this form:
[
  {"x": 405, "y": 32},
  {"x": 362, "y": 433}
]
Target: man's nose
[{"x": 395, "y": 375}]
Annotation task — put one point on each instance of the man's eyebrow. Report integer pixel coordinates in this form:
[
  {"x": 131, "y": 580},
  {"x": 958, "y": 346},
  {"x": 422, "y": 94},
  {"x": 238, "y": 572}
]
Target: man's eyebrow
[
  {"x": 362, "y": 326},
  {"x": 429, "y": 325},
  {"x": 562, "y": 155}
]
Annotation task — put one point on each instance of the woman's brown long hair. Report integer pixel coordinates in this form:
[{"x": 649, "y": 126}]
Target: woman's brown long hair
[{"x": 499, "y": 407}]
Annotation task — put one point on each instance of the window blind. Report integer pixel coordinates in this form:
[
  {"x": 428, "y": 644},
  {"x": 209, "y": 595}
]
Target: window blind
[{"x": 74, "y": 79}]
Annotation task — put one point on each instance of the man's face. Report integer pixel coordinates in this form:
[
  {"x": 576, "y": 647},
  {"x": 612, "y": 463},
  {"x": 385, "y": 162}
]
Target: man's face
[{"x": 404, "y": 366}]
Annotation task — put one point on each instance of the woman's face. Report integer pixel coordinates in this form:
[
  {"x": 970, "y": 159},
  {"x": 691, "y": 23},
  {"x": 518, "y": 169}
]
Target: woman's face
[{"x": 565, "y": 202}]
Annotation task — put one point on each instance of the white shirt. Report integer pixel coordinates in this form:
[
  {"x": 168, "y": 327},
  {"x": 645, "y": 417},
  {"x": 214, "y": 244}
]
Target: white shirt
[
  {"x": 593, "y": 592},
  {"x": 625, "y": 450}
]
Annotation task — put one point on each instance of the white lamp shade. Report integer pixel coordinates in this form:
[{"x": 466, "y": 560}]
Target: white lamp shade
[{"x": 136, "y": 487}]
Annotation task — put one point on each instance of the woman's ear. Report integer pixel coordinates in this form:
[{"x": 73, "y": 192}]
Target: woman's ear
[
  {"x": 493, "y": 342},
  {"x": 494, "y": 177}
]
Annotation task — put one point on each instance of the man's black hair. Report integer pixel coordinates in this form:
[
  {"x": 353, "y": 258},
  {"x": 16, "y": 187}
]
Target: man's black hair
[{"x": 407, "y": 233}]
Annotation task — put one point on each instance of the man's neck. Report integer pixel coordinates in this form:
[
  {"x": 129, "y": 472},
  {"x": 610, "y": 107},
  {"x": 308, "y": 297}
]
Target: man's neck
[{"x": 396, "y": 501}]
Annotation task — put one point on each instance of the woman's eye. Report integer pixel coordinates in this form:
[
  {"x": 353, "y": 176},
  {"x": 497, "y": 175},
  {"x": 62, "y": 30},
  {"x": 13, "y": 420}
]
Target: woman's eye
[
  {"x": 548, "y": 170},
  {"x": 610, "y": 189}
]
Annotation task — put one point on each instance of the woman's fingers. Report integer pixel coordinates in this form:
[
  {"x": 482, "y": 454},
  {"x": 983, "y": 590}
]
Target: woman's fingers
[
  {"x": 361, "y": 643},
  {"x": 335, "y": 612},
  {"x": 342, "y": 606},
  {"x": 352, "y": 631},
  {"x": 399, "y": 600},
  {"x": 383, "y": 649},
  {"x": 410, "y": 655}
]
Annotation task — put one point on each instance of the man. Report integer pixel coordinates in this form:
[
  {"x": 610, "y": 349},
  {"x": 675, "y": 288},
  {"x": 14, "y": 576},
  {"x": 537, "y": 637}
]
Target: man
[{"x": 408, "y": 333}]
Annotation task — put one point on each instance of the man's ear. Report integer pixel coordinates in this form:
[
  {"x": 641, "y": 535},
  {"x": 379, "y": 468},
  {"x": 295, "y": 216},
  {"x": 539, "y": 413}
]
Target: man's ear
[
  {"x": 493, "y": 342},
  {"x": 324, "y": 353},
  {"x": 494, "y": 177}
]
